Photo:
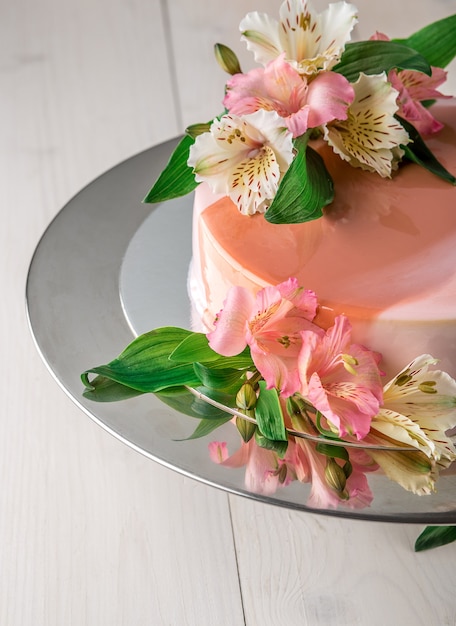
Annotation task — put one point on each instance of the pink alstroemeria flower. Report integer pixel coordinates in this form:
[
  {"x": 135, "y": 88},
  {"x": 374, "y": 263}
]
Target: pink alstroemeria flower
[
  {"x": 301, "y": 103},
  {"x": 270, "y": 323},
  {"x": 340, "y": 379},
  {"x": 415, "y": 87},
  {"x": 357, "y": 493},
  {"x": 264, "y": 470}
]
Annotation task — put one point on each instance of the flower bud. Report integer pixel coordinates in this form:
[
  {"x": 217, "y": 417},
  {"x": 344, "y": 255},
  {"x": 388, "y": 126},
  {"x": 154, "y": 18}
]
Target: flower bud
[
  {"x": 227, "y": 59},
  {"x": 246, "y": 397},
  {"x": 335, "y": 476},
  {"x": 282, "y": 473},
  {"x": 246, "y": 429},
  {"x": 197, "y": 129}
]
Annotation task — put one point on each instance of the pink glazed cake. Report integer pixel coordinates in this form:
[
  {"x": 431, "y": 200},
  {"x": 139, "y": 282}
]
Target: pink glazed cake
[{"x": 384, "y": 254}]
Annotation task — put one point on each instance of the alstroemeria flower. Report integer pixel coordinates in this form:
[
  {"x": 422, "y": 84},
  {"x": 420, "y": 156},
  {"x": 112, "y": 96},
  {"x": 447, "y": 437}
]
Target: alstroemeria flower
[
  {"x": 264, "y": 470},
  {"x": 312, "y": 42},
  {"x": 271, "y": 324},
  {"x": 419, "y": 405},
  {"x": 340, "y": 379},
  {"x": 370, "y": 137},
  {"x": 244, "y": 158},
  {"x": 279, "y": 87},
  {"x": 355, "y": 495},
  {"x": 313, "y": 466},
  {"x": 413, "y": 88}
]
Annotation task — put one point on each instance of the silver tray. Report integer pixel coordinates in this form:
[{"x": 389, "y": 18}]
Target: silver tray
[{"x": 109, "y": 267}]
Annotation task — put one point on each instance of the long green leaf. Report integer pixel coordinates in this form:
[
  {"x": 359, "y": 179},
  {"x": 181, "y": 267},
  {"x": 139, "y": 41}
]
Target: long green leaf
[
  {"x": 435, "y": 536},
  {"x": 227, "y": 380},
  {"x": 144, "y": 365},
  {"x": 106, "y": 390},
  {"x": 205, "y": 427},
  {"x": 193, "y": 348},
  {"x": 305, "y": 189},
  {"x": 182, "y": 400},
  {"x": 177, "y": 179},
  {"x": 375, "y": 57},
  {"x": 336, "y": 452},
  {"x": 436, "y": 41},
  {"x": 241, "y": 361},
  {"x": 269, "y": 416},
  {"x": 418, "y": 152},
  {"x": 279, "y": 447},
  {"x": 225, "y": 398}
]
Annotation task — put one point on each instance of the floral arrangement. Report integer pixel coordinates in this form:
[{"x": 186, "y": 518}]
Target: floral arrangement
[
  {"x": 369, "y": 100},
  {"x": 310, "y": 405}
]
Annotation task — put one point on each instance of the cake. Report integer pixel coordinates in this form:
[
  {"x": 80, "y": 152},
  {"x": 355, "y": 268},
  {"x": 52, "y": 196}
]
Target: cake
[
  {"x": 384, "y": 254},
  {"x": 323, "y": 277}
]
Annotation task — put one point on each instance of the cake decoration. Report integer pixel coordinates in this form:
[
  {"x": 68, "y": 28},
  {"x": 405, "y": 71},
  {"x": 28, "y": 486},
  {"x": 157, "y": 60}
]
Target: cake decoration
[
  {"x": 310, "y": 403},
  {"x": 368, "y": 100}
]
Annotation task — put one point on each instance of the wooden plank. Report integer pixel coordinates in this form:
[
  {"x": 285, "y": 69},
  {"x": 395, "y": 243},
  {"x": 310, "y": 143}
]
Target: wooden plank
[
  {"x": 90, "y": 532},
  {"x": 297, "y": 568}
]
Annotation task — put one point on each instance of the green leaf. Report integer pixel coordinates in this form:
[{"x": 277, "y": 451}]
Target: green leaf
[
  {"x": 228, "y": 380},
  {"x": 205, "y": 427},
  {"x": 335, "y": 452},
  {"x": 144, "y": 365},
  {"x": 226, "y": 399},
  {"x": 241, "y": 361},
  {"x": 182, "y": 400},
  {"x": 279, "y": 447},
  {"x": 268, "y": 413},
  {"x": 193, "y": 348},
  {"x": 177, "y": 179},
  {"x": 418, "y": 152},
  {"x": 305, "y": 189},
  {"x": 436, "y": 41},
  {"x": 375, "y": 57},
  {"x": 106, "y": 390},
  {"x": 435, "y": 536}
]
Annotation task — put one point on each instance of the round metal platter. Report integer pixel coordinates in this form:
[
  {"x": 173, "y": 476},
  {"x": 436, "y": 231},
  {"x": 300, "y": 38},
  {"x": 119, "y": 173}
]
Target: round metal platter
[{"x": 109, "y": 267}]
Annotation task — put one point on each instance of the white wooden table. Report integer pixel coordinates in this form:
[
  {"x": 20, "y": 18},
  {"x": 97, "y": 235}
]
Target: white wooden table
[{"x": 92, "y": 533}]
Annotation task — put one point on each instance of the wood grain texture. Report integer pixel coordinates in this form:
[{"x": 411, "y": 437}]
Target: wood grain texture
[
  {"x": 307, "y": 569},
  {"x": 91, "y": 533}
]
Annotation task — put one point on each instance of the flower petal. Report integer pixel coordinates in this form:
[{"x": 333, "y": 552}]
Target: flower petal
[
  {"x": 370, "y": 137},
  {"x": 244, "y": 157},
  {"x": 328, "y": 98},
  {"x": 261, "y": 34},
  {"x": 313, "y": 41},
  {"x": 414, "y": 87},
  {"x": 228, "y": 337}
]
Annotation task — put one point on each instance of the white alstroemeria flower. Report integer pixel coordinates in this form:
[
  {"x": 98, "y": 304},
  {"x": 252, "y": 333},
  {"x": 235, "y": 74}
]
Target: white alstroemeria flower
[
  {"x": 244, "y": 157},
  {"x": 370, "y": 137},
  {"x": 311, "y": 41},
  {"x": 419, "y": 406}
]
